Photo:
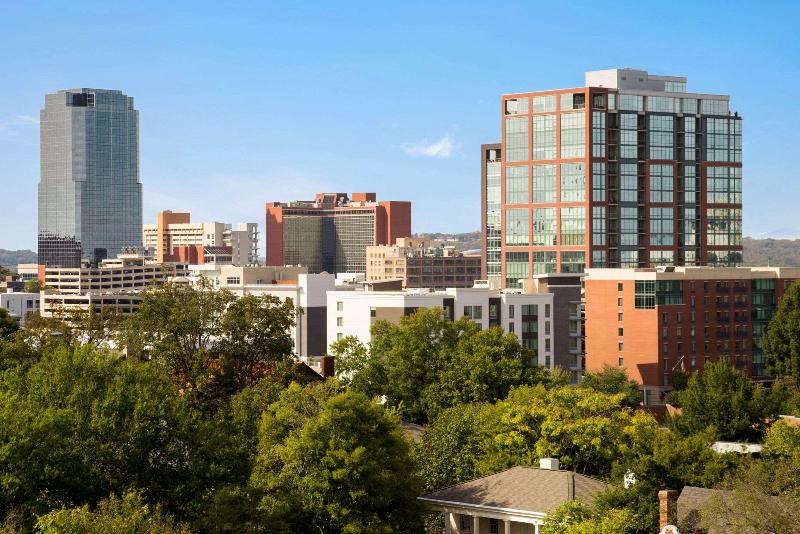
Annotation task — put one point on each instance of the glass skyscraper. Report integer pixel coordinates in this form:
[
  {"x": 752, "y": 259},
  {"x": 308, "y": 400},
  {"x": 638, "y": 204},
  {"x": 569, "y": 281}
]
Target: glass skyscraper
[{"x": 90, "y": 197}]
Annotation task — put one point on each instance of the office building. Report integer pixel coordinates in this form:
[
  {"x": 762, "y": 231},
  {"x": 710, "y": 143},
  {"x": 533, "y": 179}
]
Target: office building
[
  {"x": 491, "y": 227},
  {"x": 630, "y": 170},
  {"x": 114, "y": 282},
  {"x": 655, "y": 321},
  {"x": 332, "y": 232},
  {"x": 417, "y": 263},
  {"x": 90, "y": 196},
  {"x": 173, "y": 236},
  {"x": 529, "y": 316},
  {"x": 309, "y": 291}
]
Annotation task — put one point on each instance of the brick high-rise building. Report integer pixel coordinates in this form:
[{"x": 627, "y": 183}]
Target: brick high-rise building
[
  {"x": 657, "y": 320},
  {"x": 331, "y": 233},
  {"x": 628, "y": 171}
]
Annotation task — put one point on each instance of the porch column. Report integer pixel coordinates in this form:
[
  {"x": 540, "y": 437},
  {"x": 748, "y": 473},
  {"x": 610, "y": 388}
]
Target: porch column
[
  {"x": 507, "y": 526},
  {"x": 450, "y": 525},
  {"x": 476, "y": 524}
]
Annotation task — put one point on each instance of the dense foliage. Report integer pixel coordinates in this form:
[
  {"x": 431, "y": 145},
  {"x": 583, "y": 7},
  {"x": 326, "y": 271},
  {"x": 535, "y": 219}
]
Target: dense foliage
[{"x": 782, "y": 340}]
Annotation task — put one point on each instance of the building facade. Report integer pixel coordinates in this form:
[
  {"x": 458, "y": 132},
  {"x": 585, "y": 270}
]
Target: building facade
[
  {"x": 174, "y": 230},
  {"x": 308, "y": 291},
  {"x": 331, "y": 233},
  {"x": 529, "y": 316},
  {"x": 654, "y": 321},
  {"x": 19, "y": 304},
  {"x": 491, "y": 227},
  {"x": 419, "y": 264},
  {"x": 90, "y": 196},
  {"x": 629, "y": 171}
]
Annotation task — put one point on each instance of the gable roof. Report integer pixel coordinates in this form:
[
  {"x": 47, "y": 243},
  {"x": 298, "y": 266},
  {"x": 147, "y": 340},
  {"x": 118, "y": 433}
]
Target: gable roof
[{"x": 522, "y": 489}]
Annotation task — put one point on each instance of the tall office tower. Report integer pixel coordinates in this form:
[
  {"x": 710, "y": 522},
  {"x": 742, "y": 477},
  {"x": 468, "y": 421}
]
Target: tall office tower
[
  {"x": 491, "y": 249},
  {"x": 332, "y": 232},
  {"x": 628, "y": 171},
  {"x": 90, "y": 197}
]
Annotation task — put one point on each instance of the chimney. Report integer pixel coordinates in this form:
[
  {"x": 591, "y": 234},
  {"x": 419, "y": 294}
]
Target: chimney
[
  {"x": 667, "y": 508},
  {"x": 326, "y": 366},
  {"x": 548, "y": 463}
]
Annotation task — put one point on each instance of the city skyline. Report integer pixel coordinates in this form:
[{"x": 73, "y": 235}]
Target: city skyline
[{"x": 375, "y": 126}]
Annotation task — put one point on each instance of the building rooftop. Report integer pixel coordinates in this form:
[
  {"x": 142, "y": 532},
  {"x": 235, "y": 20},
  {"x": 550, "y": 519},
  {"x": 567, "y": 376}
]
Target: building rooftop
[
  {"x": 524, "y": 489},
  {"x": 697, "y": 273}
]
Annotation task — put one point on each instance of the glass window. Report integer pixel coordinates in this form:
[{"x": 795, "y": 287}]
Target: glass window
[
  {"x": 662, "y": 222},
  {"x": 598, "y": 225},
  {"x": 598, "y": 181},
  {"x": 516, "y": 139},
  {"x": 598, "y": 134},
  {"x": 661, "y": 183},
  {"x": 662, "y": 257},
  {"x": 645, "y": 294},
  {"x": 573, "y": 261},
  {"x": 599, "y": 258},
  {"x": 573, "y": 225},
  {"x": 724, "y": 226},
  {"x": 628, "y": 182},
  {"x": 339, "y": 306},
  {"x": 517, "y": 184},
  {"x": 544, "y": 262},
  {"x": 544, "y": 137},
  {"x": 724, "y": 185},
  {"x": 723, "y": 140},
  {"x": 516, "y": 268},
  {"x": 544, "y": 103},
  {"x": 544, "y": 227},
  {"x": 630, "y": 102},
  {"x": 689, "y": 105},
  {"x": 714, "y": 106},
  {"x": 628, "y": 135},
  {"x": 573, "y": 101},
  {"x": 629, "y": 226},
  {"x": 666, "y": 104},
  {"x": 573, "y": 182},
  {"x": 544, "y": 183},
  {"x": 675, "y": 87},
  {"x": 612, "y": 100},
  {"x": 662, "y": 137},
  {"x": 517, "y": 106},
  {"x": 517, "y": 233},
  {"x": 573, "y": 138}
]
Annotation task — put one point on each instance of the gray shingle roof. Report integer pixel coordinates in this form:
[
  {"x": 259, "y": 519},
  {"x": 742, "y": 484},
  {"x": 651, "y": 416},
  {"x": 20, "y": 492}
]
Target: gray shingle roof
[{"x": 522, "y": 488}]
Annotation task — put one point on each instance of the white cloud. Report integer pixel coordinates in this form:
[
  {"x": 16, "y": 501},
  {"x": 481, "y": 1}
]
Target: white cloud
[
  {"x": 26, "y": 120},
  {"x": 443, "y": 148},
  {"x": 9, "y": 128}
]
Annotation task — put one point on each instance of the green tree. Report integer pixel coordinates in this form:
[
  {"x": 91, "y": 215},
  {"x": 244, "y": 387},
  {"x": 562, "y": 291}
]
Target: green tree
[
  {"x": 575, "y": 517},
  {"x": 114, "y": 515},
  {"x": 32, "y": 286},
  {"x": 80, "y": 424},
  {"x": 781, "y": 343},
  {"x": 352, "y": 363},
  {"x": 8, "y": 325},
  {"x": 345, "y": 469},
  {"x": 613, "y": 380},
  {"x": 724, "y": 398}
]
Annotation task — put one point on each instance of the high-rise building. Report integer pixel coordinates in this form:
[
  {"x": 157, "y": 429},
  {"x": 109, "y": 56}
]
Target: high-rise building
[
  {"x": 629, "y": 171},
  {"x": 332, "y": 232},
  {"x": 491, "y": 228},
  {"x": 173, "y": 233},
  {"x": 656, "y": 321},
  {"x": 90, "y": 197}
]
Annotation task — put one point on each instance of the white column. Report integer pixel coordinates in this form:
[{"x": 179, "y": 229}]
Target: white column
[
  {"x": 536, "y": 528},
  {"x": 476, "y": 524},
  {"x": 450, "y": 525},
  {"x": 507, "y": 526}
]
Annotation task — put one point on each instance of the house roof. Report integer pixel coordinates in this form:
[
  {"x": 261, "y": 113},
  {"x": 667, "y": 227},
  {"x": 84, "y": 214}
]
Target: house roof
[
  {"x": 524, "y": 489},
  {"x": 691, "y": 501}
]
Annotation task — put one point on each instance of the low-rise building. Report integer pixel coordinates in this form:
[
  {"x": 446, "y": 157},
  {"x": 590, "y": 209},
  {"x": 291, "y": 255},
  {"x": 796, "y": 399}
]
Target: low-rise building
[
  {"x": 308, "y": 291},
  {"x": 655, "y": 321},
  {"x": 528, "y": 315},
  {"x": 19, "y": 304},
  {"x": 418, "y": 263},
  {"x": 515, "y": 501}
]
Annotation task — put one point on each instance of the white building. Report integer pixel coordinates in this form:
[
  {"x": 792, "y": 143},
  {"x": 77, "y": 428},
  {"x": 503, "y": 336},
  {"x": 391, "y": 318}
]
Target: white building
[
  {"x": 528, "y": 315},
  {"x": 306, "y": 290},
  {"x": 19, "y": 304}
]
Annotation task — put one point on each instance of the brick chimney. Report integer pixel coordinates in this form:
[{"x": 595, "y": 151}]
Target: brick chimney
[
  {"x": 326, "y": 366},
  {"x": 667, "y": 508}
]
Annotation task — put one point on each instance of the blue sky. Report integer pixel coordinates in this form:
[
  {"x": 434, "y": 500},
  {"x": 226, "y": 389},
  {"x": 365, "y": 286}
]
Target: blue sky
[{"x": 245, "y": 102}]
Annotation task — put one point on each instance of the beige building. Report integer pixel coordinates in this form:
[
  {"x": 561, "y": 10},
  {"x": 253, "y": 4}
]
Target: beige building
[
  {"x": 419, "y": 264},
  {"x": 114, "y": 282},
  {"x": 174, "y": 230}
]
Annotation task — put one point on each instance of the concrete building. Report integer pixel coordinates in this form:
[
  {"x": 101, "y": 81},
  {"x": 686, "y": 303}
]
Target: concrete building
[
  {"x": 309, "y": 291},
  {"x": 114, "y": 282},
  {"x": 19, "y": 304},
  {"x": 90, "y": 197},
  {"x": 491, "y": 212},
  {"x": 419, "y": 264},
  {"x": 658, "y": 320},
  {"x": 331, "y": 232},
  {"x": 529, "y": 316},
  {"x": 173, "y": 236},
  {"x": 515, "y": 501},
  {"x": 630, "y": 170},
  {"x": 28, "y": 271}
]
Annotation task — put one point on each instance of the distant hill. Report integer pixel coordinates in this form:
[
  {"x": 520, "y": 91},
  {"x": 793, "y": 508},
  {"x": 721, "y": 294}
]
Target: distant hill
[
  {"x": 11, "y": 258},
  {"x": 757, "y": 252}
]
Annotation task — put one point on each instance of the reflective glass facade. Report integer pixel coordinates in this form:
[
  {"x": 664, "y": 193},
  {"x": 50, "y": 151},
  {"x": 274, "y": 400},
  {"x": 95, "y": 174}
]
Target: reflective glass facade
[{"x": 90, "y": 196}]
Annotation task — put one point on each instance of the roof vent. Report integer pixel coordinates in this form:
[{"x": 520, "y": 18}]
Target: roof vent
[{"x": 548, "y": 463}]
